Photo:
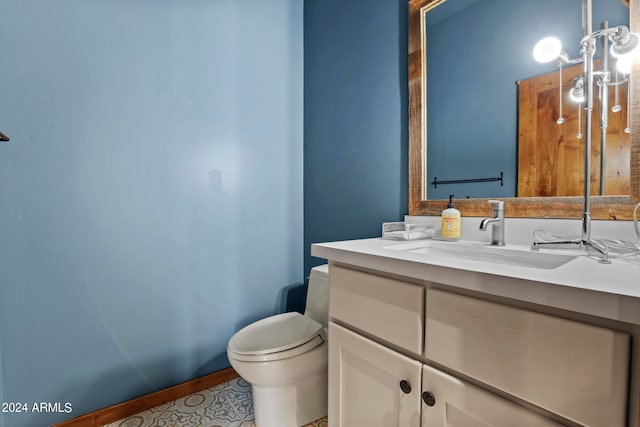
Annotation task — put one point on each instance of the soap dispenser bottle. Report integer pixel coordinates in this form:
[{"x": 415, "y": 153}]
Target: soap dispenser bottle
[{"x": 450, "y": 222}]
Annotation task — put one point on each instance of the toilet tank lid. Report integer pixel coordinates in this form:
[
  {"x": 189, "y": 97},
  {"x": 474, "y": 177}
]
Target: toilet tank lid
[{"x": 322, "y": 270}]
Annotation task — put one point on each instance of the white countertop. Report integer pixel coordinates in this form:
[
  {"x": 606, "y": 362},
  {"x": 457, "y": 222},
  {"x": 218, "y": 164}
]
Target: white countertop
[{"x": 583, "y": 285}]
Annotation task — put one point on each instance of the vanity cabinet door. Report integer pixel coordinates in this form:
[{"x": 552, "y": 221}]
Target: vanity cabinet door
[
  {"x": 576, "y": 370},
  {"x": 370, "y": 385},
  {"x": 450, "y": 402}
]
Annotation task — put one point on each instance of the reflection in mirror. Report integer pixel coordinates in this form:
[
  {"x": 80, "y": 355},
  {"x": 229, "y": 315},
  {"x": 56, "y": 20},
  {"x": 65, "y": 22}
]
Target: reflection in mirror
[
  {"x": 602, "y": 207},
  {"x": 481, "y": 74},
  {"x": 551, "y": 155}
]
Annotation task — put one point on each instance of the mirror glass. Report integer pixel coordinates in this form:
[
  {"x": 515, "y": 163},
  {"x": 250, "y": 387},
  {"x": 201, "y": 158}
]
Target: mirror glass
[{"x": 478, "y": 53}]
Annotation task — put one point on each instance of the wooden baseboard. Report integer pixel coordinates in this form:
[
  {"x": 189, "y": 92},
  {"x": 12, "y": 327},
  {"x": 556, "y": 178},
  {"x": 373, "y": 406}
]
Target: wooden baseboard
[{"x": 126, "y": 409}]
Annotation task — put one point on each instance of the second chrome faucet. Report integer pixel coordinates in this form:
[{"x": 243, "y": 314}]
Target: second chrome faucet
[{"x": 497, "y": 223}]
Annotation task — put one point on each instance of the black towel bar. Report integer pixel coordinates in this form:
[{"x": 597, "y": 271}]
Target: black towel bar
[{"x": 435, "y": 181}]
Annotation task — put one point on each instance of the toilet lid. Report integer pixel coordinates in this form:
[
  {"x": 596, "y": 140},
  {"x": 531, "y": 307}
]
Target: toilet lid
[{"x": 276, "y": 334}]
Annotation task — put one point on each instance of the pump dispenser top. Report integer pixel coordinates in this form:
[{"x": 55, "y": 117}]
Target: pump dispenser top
[
  {"x": 451, "y": 204},
  {"x": 451, "y": 221}
]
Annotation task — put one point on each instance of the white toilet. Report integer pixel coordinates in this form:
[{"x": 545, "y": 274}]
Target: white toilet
[{"x": 284, "y": 358}]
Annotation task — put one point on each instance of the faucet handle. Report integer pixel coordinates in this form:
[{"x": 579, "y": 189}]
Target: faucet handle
[{"x": 497, "y": 204}]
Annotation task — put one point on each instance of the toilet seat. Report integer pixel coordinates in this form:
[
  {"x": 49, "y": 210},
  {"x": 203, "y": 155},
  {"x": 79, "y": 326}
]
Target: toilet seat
[{"x": 277, "y": 337}]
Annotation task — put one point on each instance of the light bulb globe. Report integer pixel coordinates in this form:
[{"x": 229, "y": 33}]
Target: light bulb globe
[
  {"x": 576, "y": 95},
  {"x": 624, "y": 63},
  {"x": 627, "y": 48},
  {"x": 547, "y": 49}
]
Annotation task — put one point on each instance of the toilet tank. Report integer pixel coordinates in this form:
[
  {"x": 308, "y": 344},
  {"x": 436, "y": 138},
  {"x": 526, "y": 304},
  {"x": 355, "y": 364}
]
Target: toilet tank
[{"x": 318, "y": 294}]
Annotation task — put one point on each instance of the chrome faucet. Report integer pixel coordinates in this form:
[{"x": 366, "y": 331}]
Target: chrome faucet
[{"x": 497, "y": 221}]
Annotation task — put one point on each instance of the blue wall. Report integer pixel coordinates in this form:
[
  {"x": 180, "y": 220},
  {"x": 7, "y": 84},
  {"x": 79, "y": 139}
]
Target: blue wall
[
  {"x": 355, "y": 120},
  {"x": 472, "y": 95},
  {"x": 151, "y": 196}
]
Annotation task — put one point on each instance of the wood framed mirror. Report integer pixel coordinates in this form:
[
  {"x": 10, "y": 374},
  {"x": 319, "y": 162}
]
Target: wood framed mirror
[{"x": 602, "y": 207}]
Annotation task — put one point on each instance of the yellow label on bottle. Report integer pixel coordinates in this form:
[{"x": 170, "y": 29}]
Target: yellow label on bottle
[{"x": 451, "y": 226}]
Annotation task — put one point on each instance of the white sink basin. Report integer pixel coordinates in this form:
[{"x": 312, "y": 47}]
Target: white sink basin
[{"x": 484, "y": 253}]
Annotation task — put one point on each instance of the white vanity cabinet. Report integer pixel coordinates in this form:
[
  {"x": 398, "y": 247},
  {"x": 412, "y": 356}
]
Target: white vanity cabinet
[{"x": 409, "y": 354}]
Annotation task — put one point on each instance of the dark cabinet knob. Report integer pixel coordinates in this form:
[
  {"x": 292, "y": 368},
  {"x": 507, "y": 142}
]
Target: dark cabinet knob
[
  {"x": 405, "y": 386},
  {"x": 428, "y": 398}
]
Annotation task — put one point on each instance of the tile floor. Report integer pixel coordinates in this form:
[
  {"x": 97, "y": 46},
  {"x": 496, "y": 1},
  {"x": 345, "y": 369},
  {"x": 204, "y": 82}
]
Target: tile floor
[{"x": 225, "y": 405}]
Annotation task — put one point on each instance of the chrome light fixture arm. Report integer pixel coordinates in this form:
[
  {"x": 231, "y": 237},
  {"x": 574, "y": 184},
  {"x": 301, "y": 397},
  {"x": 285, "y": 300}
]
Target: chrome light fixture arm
[{"x": 587, "y": 50}]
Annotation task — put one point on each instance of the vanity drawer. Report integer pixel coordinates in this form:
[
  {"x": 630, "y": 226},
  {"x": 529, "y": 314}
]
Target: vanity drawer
[
  {"x": 576, "y": 370},
  {"x": 389, "y": 309}
]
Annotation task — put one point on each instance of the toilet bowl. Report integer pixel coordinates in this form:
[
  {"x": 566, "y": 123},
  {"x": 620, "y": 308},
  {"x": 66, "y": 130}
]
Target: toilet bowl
[{"x": 284, "y": 358}]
